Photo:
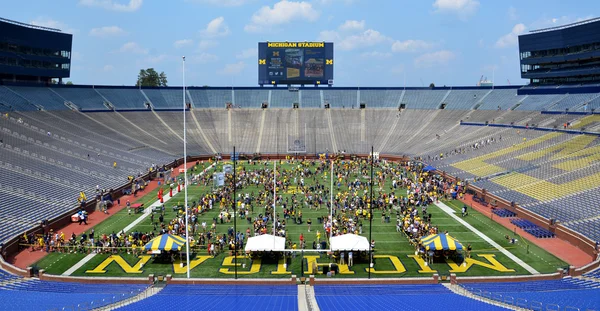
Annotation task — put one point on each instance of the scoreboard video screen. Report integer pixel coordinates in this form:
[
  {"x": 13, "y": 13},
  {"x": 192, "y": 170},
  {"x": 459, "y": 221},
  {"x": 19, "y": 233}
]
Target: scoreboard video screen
[{"x": 295, "y": 63}]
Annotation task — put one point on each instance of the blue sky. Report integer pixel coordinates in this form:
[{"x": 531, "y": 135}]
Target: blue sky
[{"x": 377, "y": 42}]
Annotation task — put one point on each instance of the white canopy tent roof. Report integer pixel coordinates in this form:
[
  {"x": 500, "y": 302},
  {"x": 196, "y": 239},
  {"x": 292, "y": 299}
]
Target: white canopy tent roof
[
  {"x": 265, "y": 243},
  {"x": 349, "y": 242}
]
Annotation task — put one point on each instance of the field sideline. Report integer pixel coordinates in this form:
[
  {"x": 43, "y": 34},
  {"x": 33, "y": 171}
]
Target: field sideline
[{"x": 393, "y": 249}]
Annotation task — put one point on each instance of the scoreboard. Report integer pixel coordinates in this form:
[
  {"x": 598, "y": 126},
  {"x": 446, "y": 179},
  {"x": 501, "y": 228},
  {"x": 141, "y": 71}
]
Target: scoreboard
[{"x": 295, "y": 63}]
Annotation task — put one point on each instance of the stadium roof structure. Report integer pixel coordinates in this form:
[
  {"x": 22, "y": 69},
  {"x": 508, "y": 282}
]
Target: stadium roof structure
[{"x": 587, "y": 21}]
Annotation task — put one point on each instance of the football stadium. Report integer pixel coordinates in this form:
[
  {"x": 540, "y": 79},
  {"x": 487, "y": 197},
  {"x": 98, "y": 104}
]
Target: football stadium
[{"x": 295, "y": 194}]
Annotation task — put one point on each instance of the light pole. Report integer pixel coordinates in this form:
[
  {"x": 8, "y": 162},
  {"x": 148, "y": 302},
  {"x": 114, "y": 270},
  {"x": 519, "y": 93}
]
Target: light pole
[{"x": 187, "y": 241}]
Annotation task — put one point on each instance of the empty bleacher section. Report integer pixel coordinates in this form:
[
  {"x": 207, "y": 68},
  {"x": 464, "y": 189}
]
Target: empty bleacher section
[
  {"x": 45, "y": 295},
  {"x": 211, "y": 98},
  {"x": 540, "y": 102},
  {"x": 122, "y": 98},
  {"x": 532, "y": 228},
  {"x": 251, "y": 98},
  {"x": 220, "y": 297},
  {"x": 381, "y": 98},
  {"x": 283, "y": 98},
  {"x": 85, "y": 98},
  {"x": 341, "y": 98},
  {"x": 394, "y": 297},
  {"x": 310, "y": 99},
  {"x": 546, "y": 172},
  {"x": 565, "y": 294},
  {"x": 423, "y": 99},
  {"x": 465, "y": 99},
  {"x": 501, "y": 98},
  {"x": 9, "y": 100},
  {"x": 41, "y": 96}
]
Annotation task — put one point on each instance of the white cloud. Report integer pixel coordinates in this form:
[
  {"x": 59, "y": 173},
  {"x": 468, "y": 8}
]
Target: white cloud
[
  {"x": 462, "y": 8},
  {"x": 50, "y": 23},
  {"x": 366, "y": 38},
  {"x": 207, "y": 44},
  {"x": 248, "y": 53},
  {"x": 215, "y": 28},
  {"x": 438, "y": 58},
  {"x": 283, "y": 12},
  {"x": 329, "y": 35},
  {"x": 183, "y": 43},
  {"x": 411, "y": 46},
  {"x": 114, "y": 5},
  {"x": 203, "y": 58},
  {"x": 133, "y": 47},
  {"x": 107, "y": 31},
  {"x": 232, "y": 69},
  {"x": 155, "y": 59},
  {"x": 511, "y": 39},
  {"x": 328, "y": 2},
  {"x": 76, "y": 56},
  {"x": 353, "y": 39},
  {"x": 352, "y": 25},
  {"x": 108, "y": 68},
  {"x": 512, "y": 13},
  {"x": 221, "y": 2},
  {"x": 397, "y": 69},
  {"x": 376, "y": 54}
]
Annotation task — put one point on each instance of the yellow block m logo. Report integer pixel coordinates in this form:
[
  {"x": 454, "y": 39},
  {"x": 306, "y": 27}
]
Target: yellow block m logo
[
  {"x": 329, "y": 62},
  {"x": 262, "y": 61}
]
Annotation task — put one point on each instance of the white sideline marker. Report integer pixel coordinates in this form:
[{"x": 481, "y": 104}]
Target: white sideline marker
[
  {"x": 147, "y": 212},
  {"x": 448, "y": 210}
]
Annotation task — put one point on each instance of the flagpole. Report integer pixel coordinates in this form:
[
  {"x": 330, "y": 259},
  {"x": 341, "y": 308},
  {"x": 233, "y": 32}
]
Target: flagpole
[
  {"x": 331, "y": 206},
  {"x": 274, "y": 196},
  {"x": 187, "y": 244},
  {"x": 234, "y": 213},
  {"x": 371, "y": 218}
]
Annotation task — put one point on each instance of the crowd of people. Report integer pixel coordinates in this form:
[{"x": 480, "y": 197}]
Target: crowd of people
[{"x": 306, "y": 185}]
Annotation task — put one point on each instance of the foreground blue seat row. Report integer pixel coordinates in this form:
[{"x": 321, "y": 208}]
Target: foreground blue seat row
[
  {"x": 574, "y": 293},
  {"x": 220, "y": 297},
  {"x": 394, "y": 297}
]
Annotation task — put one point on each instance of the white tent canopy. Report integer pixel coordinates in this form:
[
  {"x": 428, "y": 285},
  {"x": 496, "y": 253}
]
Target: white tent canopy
[
  {"x": 265, "y": 243},
  {"x": 349, "y": 242}
]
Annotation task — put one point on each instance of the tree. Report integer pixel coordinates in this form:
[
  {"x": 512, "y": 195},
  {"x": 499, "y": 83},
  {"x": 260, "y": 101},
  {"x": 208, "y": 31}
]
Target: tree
[
  {"x": 431, "y": 85},
  {"x": 69, "y": 83},
  {"x": 149, "y": 77}
]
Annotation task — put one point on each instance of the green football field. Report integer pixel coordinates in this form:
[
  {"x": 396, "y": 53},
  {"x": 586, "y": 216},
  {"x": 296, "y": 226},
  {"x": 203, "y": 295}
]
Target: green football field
[{"x": 395, "y": 256}]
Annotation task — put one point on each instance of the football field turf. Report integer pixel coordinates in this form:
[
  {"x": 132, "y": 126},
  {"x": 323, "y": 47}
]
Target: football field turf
[{"x": 395, "y": 256}]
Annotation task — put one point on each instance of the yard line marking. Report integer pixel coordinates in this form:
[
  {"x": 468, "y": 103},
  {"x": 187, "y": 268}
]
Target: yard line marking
[
  {"x": 80, "y": 264},
  {"x": 448, "y": 210},
  {"x": 147, "y": 212}
]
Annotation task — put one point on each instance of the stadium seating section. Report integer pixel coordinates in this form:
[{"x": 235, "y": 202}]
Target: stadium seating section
[
  {"x": 532, "y": 228},
  {"x": 60, "y": 140},
  {"x": 220, "y": 297},
  {"x": 565, "y": 294},
  {"x": 394, "y": 297},
  {"x": 22, "y": 294}
]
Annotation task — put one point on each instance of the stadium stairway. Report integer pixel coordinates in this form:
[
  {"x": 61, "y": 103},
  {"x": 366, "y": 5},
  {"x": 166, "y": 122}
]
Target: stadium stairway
[
  {"x": 149, "y": 292},
  {"x": 457, "y": 289}
]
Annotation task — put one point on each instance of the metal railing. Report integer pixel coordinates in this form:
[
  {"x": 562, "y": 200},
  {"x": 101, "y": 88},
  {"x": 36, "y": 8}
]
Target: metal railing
[
  {"x": 29, "y": 25},
  {"x": 308, "y": 297},
  {"x": 519, "y": 302},
  {"x": 117, "y": 300}
]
